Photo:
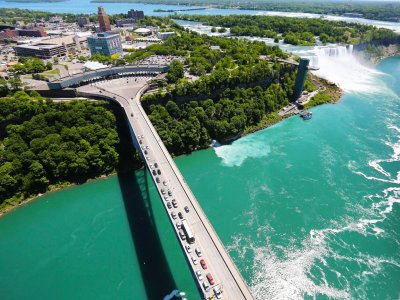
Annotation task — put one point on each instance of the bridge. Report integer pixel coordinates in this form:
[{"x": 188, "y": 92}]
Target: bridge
[{"x": 167, "y": 177}]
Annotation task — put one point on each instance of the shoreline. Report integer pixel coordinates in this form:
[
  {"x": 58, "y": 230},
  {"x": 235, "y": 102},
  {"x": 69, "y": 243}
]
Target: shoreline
[
  {"x": 53, "y": 189},
  {"x": 268, "y": 121}
]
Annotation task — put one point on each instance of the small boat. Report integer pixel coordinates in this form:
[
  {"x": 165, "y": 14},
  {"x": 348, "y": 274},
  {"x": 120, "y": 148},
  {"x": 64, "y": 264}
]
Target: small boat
[{"x": 306, "y": 115}]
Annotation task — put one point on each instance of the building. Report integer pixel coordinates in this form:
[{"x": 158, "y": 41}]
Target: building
[
  {"x": 165, "y": 35},
  {"x": 9, "y": 34},
  {"x": 56, "y": 19},
  {"x": 143, "y": 31},
  {"x": 104, "y": 20},
  {"x": 82, "y": 21},
  {"x": 105, "y": 44},
  {"x": 49, "y": 48},
  {"x": 43, "y": 51},
  {"x": 125, "y": 22},
  {"x": 301, "y": 77},
  {"x": 135, "y": 14}
]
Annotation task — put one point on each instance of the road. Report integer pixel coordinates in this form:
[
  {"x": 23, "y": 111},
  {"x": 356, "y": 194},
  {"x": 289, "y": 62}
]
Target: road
[{"x": 219, "y": 263}]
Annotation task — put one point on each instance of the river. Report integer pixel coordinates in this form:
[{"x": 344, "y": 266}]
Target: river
[
  {"x": 307, "y": 209},
  {"x": 87, "y": 7}
]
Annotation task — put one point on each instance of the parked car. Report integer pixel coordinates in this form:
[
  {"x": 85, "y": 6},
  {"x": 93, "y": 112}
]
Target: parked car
[
  {"x": 206, "y": 286},
  {"x": 174, "y": 204},
  {"x": 154, "y": 172},
  {"x": 169, "y": 205},
  {"x": 159, "y": 172},
  {"x": 203, "y": 263},
  {"x": 182, "y": 234},
  {"x": 217, "y": 292},
  {"x": 199, "y": 276},
  {"x": 198, "y": 252},
  {"x": 157, "y": 180},
  {"x": 162, "y": 191},
  {"x": 186, "y": 209},
  {"x": 179, "y": 225},
  {"x": 188, "y": 248},
  {"x": 169, "y": 193},
  {"x": 164, "y": 183},
  {"x": 173, "y": 215},
  {"x": 194, "y": 260},
  {"x": 210, "y": 279},
  {"x": 156, "y": 165},
  {"x": 180, "y": 215}
]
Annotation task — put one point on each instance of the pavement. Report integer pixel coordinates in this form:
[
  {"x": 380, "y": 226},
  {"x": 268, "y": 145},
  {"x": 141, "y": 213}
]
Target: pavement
[{"x": 127, "y": 92}]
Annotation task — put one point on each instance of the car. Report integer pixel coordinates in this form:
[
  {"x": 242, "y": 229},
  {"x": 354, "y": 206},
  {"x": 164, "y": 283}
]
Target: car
[
  {"x": 169, "y": 193},
  {"x": 180, "y": 215},
  {"x": 182, "y": 234},
  {"x": 174, "y": 204},
  {"x": 162, "y": 191},
  {"x": 186, "y": 209},
  {"x": 188, "y": 248},
  {"x": 194, "y": 260},
  {"x": 166, "y": 198},
  {"x": 199, "y": 276},
  {"x": 156, "y": 165},
  {"x": 147, "y": 147},
  {"x": 169, "y": 205},
  {"x": 198, "y": 252},
  {"x": 203, "y": 263},
  {"x": 206, "y": 286},
  {"x": 131, "y": 113},
  {"x": 217, "y": 292},
  {"x": 157, "y": 180},
  {"x": 142, "y": 136},
  {"x": 164, "y": 183},
  {"x": 147, "y": 157},
  {"x": 145, "y": 152},
  {"x": 173, "y": 215},
  {"x": 140, "y": 142},
  {"x": 154, "y": 172},
  {"x": 179, "y": 225},
  {"x": 210, "y": 279},
  {"x": 151, "y": 166},
  {"x": 159, "y": 172}
]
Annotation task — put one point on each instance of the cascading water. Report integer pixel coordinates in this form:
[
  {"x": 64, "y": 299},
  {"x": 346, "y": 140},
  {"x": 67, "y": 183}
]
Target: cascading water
[{"x": 341, "y": 65}]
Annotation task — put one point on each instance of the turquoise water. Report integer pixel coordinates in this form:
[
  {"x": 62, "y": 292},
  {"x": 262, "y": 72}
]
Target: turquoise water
[{"x": 306, "y": 210}]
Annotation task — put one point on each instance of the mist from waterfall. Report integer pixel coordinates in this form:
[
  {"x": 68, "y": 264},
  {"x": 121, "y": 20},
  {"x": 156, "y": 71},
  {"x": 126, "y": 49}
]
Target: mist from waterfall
[{"x": 342, "y": 66}]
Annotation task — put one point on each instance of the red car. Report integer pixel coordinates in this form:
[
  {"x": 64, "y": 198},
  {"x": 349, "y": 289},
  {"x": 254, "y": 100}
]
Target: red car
[
  {"x": 203, "y": 263},
  {"x": 210, "y": 279}
]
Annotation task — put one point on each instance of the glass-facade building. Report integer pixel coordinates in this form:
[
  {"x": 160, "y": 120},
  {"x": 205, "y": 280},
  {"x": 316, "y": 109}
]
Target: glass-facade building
[{"x": 105, "y": 44}]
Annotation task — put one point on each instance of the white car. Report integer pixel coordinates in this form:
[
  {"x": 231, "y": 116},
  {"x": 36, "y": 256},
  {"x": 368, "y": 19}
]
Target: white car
[
  {"x": 194, "y": 260},
  {"x": 199, "y": 276},
  {"x": 188, "y": 248},
  {"x": 198, "y": 252}
]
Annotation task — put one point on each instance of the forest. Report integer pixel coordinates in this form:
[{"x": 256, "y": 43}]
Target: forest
[
  {"x": 44, "y": 144},
  {"x": 295, "y": 31}
]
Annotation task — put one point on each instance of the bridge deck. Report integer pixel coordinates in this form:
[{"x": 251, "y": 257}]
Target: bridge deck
[{"x": 218, "y": 261}]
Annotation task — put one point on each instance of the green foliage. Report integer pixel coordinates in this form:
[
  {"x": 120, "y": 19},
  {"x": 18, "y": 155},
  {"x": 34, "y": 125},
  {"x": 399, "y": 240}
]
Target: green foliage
[
  {"x": 29, "y": 65},
  {"x": 295, "y": 31},
  {"x": 175, "y": 71},
  {"x": 47, "y": 143}
]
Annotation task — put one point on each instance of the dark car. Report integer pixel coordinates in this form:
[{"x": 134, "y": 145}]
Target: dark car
[
  {"x": 174, "y": 203},
  {"x": 169, "y": 193},
  {"x": 180, "y": 215},
  {"x": 156, "y": 165},
  {"x": 159, "y": 172},
  {"x": 154, "y": 172},
  {"x": 169, "y": 205},
  {"x": 186, "y": 209}
]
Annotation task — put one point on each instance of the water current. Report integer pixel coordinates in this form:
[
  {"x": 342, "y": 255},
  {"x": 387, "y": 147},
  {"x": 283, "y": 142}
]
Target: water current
[{"x": 307, "y": 209}]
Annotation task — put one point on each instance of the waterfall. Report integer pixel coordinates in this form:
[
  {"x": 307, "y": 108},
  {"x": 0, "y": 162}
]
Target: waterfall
[{"x": 340, "y": 65}]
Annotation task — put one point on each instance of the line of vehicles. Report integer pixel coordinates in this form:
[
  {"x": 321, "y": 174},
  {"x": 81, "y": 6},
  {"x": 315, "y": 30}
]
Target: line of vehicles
[{"x": 182, "y": 226}]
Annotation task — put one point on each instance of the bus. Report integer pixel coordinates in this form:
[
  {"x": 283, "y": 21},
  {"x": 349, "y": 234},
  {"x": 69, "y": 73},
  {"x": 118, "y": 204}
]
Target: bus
[{"x": 188, "y": 232}]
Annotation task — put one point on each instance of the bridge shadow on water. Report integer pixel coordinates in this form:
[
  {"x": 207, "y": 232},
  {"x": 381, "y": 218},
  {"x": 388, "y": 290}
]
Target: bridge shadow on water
[{"x": 156, "y": 274}]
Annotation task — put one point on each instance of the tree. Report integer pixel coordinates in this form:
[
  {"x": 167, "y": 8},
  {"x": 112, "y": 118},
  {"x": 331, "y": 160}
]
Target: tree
[{"x": 175, "y": 71}]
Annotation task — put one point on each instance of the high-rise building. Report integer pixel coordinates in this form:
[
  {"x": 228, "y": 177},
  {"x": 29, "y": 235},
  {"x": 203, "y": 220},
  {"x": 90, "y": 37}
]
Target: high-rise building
[
  {"x": 301, "y": 77},
  {"x": 104, "y": 20},
  {"x": 105, "y": 44},
  {"x": 135, "y": 14},
  {"x": 82, "y": 21}
]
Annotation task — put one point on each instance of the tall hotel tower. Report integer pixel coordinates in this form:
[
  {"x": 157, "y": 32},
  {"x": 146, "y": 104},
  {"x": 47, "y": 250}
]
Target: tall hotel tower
[{"x": 104, "y": 20}]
